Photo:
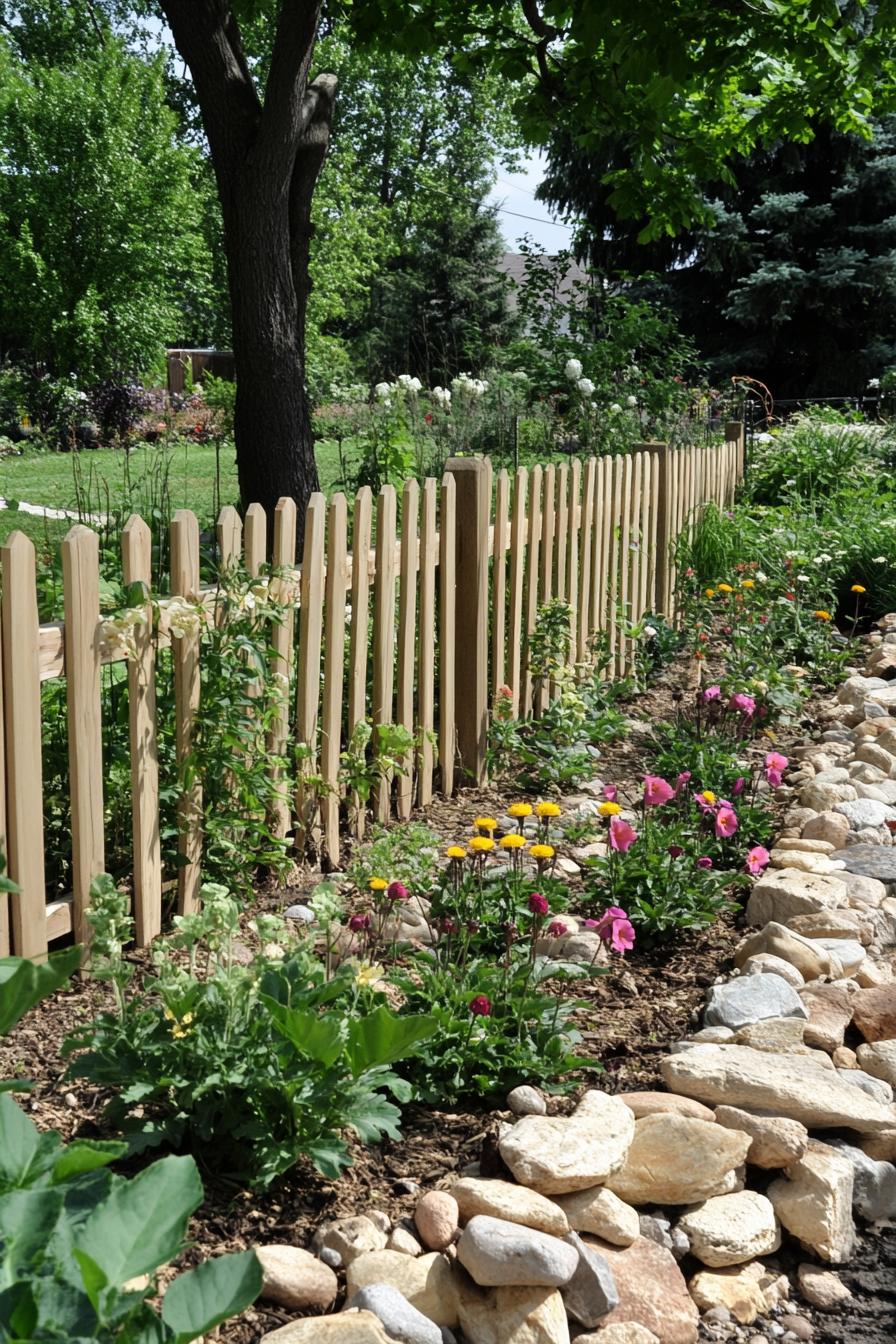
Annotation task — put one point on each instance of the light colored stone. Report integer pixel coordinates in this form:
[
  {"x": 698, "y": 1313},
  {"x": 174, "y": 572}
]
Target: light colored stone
[
  {"x": 830, "y": 1013},
  {"x": 819, "y": 865},
  {"x": 875, "y": 1087},
  {"x": 782, "y": 1035},
  {"x": 751, "y": 998},
  {"x": 765, "y": 964},
  {"x": 738, "y": 1290},
  {"x": 731, "y": 1229},
  {"x": 591, "y": 1292},
  {"x": 822, "y": 1288},
  {"x": 349, "y": 1237},
  {"x": 664, "y": 1103},
  {"x": 844, "y": 1058},
  {"x": 775, "y": 1141},
  {"x": 436, "y": 1218},
  {"x": 676, "y": 1160},
  {"x": 790, "y": 1085},
  {"x": 402, "y": 1321},
  {"x": 874, "y": 1182},
  {"x": 873, "y": 974},
  {"x": 821, "y": 796},
  {"x": 863, "y": 892},
  {"x": 350, "y": 1327},
  {"x": 713, "y": 1035},
  {"x": 512, "y": 1203},
  {"x": 426, "y": 1281},
  {"x": 295, "y": 1278},
  {"x": 497, "y": 1254},
  {"x": 555, "y": 1155},
  {"x": 865, "y": 812},
  {"x": 814, "y": 1202},
  {"x": 526, "y": 1100},
  {"x": 628, "y": 1332},
  {"x": 849, "y": 953},
  {"x": 831, "y": 827},
  {"x": 652, "y": 1292},
  {"x": 881, "y": 1146},
  {"x": 810, "y": 959},
  {"x": 513, "y": 1316},
  {"x": 844, "y": 923},
  {"x": 601, "y": 1213},
  {"x": 874, "y": 1012},
  {"x": 807, "y": 845},
  {"x": 400, "y": 1239},
  {"x": 783, "y": 893},
  {"x": 879, "y": 1059},
  {"x": 875, "y": 755}
]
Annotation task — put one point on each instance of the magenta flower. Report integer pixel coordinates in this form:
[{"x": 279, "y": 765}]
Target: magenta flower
[
  {"x": 757, "y": 859},
  {"x": 610, "y": 792},
  {"x": 704, "y": 803},
  {"x": 397, "y": 891},
  {"x": 675, "y": 851},
  {"x": 557, "y": 929},
  {"x": 622, "y": 836},
  {"x": 712, "y": 693},
  {"x": 590, "y": 923},
  {"x": 447, "y": 926},
  {"x": 656, "y": 791},
  {"x": 481, "y": 1006},
  {"x": 726, "y": 822},
  {"x": 744, "y": 703},
  {"x": 615, "y": 928},
  {"x": 538, "y": 904},
  {"x": 683, "y": 778},
  {"x": 705, "y": 862},
  {"x": 775, "y": 761},
  {"x": 358, "y": 923},
  {"x": 774, "y": 778},
  {"x": 737, "y": 787}
]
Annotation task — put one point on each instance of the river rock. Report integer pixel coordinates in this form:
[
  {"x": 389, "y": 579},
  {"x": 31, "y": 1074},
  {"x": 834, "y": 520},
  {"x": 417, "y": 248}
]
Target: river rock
[
  {"x": 496, "y": 1254},
  {"x": 295, "y": 1278},
  {"x": 750, "y": 998},
  {"x": 628, "y": 1332},
  {"x": 403, "y": 1322},
  {"x": 426, "y": 1282},
  {"x": 512, "y": 1203},
  {"x": 348, "y": 1237},
  {"x": 874, "y": 1012},
  {"x": 821, "y": 796},
  {"x": 765, "y": 964},
  {"x": 810, "y": 959},
  {"x": 526, "y": 1100},
  {"x": 794, "y": 1086},
  {"x": 652, "y": 1292},
  {"x": 774, "y": 1141},
  {"x": 830, "y": 1013},
  {"x": 660, "y": 1103},
  {"x": 731, "y": 1229},
  {"x": 875, "y": 1087},
  {"x": 739, "y": 1291},
  {"x": 802, "y": 861},
  {"x": 814, "y": 1203},
  {"x": 846, "y": 951},
  {"x": 822, "y": 1288},
  {"x": 782, "y": 1035},
  {"x": 864, "y": 893},
  {"x": 874, "y": 1183},
  {"x": 841, "y": 923},
  {"x": 865, "y": 812},
  {"x": 601, "y": 1213},
  {"x": 513, "y": 1316},
  {"x": 349, "y": 1327},
  {"x": 400, "y": 1239},
  {"x": 676, "y": 1160},
  {"x": 879, "y": 1059},
  {"x": 875, "y": 861},
  {"x": 555, "y": 1155},
  {"x": 786, "y": 892},
  {"x": 591, "y": 1292},
  {"x": 830, "y": 827},
  {"x": 436, "y": 1219}
]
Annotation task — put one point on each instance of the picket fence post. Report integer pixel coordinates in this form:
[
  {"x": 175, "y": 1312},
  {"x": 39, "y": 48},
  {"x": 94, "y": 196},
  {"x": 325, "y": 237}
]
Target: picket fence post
[{"x": 473, "y": 480}]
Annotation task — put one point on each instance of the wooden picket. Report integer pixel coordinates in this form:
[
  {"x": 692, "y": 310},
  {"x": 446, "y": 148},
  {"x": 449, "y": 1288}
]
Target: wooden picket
[{"x": 454, "y": 600}]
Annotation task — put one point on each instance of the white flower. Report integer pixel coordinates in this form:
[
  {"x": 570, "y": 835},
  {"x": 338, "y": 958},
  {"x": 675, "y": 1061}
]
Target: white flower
[
  {"x": 441, "y": 395},
  {"x": 407, "y": 383},
  {"x": 803, "y": 578},
  {"x": 649, "y": 632},
  {"x": 760, "y": 577},
  {"x": 879, "y": 560},
  {"x": 874, "y": 382},
  {"x": 573, "y": 370},
  {"x": 614, "y": 407},
  {"x": 585, "y": 386},
  {"x": 631, "y": 401},
  {"x": 382, "y": 390}
]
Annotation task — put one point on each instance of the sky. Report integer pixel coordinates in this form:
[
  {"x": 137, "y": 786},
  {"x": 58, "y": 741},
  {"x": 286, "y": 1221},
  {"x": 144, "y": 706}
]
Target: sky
[{"x": 513, "y": 193}]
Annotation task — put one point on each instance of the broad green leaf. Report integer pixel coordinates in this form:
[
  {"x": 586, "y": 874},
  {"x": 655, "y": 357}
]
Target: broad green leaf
[
  {"x": 330, "y": 1156},
  {"x": 142, "y": 1222},
  {"x": 86, "y": 1155},
  {"x": 92, "y": 1277},
  {"x": 203, "y": 1297},
  {"x": 372, "y": 1116},
  {"x": 25, "y": 1153},
  {"x": 383, "y": 1038},
  {"x": 23, "y": 983},
  {"x": 27, "y": 1219},
  {"x": 320, "y": 1038}
]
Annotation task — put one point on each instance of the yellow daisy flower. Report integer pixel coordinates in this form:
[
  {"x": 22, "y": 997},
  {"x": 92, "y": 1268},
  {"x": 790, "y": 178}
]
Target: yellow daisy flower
[
  {"x": 512, "y": 842},
  {"x": 822, "y": 615},
  {"x": 609, "y": 809},
  {"x": 547, "y": 810},
  {"x": 377, "y": 884},
  {"x": 541, "y": 851},
  {"x": 456, "y": 852},
  {"x": 747, "y": 583},
  {"x": 710, "y": 592},
  {"x": 708, "y": 796},
  {"x": 857, "y": 588},
  {"x": 519, "y": 810},
  {"x": 485, "y": 824},
  {"x": 725, "y": 588},
  {"x": 481, "y": 844}
]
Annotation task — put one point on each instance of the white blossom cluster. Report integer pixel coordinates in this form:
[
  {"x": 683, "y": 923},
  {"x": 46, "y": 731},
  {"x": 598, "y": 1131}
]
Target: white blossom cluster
[{"x": 465, "y": 385}]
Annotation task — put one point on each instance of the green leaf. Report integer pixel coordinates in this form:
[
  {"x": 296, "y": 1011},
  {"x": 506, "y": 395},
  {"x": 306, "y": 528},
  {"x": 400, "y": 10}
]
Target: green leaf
[
  {"x": 27, "y": 1219},
  {"x": 86, "y": 1155},
  {"x": 382, "y": 1038},
  {"x": 320, "y": 1038},
  {"x": 372, "y": 1116},
  {"x": 141, "y": 1224},
  {"x": 217, "y": 1289},
  {"x": 92, "y": 1277},
  {"x": 25, "y": 1153},
  {"x": 330, "y": 1156},
  {"x": 23, "y": 983}
]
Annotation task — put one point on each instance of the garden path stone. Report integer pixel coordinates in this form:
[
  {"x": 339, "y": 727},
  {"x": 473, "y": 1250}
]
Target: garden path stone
[
  {"x": 766, "y": 964},
  {"x": 403, "y": 1322},
  {"x": 426, "y": 1281},
  {"x": 497, "y": 1254},
  {"x": 751, "y": 998},
  {"x": 676, "y": 1160},
  {"x": 875, "y": 861},
  {"x": 652, "y": 1292},
  {"x": 555, "y": 1155},
  {"x": 775, "y": 1142},
  {"x": 513, "y": 1316},
  {"x": 793, "y": 1086},
  {"x": 354, "y": 1327},
  {"x": 591, "y": 1292},
  {"x": 814, "y": 1202},
  {"x": 513, "y": 1203},
  {"x": 874, "y": 1012},
  {"x": 526, "y": 1100},
  {"x": 731, "y": 1229},
  {"x": 436, "y": 1219},
  {"x": 295, "y": 1278},
  {"x": 874, "y": 1183},
  {"x": 601, "y": 1213},
  {"x": 786, "y": 892},
  {"x": 349, "y": 1238}
]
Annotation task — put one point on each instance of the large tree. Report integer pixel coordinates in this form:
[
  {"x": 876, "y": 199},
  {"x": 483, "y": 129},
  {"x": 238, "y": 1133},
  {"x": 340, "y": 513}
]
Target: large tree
[{"x": 688, "y": 83}]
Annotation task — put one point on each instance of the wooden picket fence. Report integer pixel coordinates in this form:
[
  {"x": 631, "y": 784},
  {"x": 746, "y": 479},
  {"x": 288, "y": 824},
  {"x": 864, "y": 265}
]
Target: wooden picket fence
[{"x": 454, "y": 596}]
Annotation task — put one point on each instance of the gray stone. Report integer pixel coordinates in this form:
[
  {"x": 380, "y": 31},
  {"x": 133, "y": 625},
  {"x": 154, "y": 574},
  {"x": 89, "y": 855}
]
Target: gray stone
[
  {"x": 526, "y": 1101},
  {"x": 865, "y": 812},
  {"x": 301, "y": 913},
  {"x": 751, "y": 998},
  {"x": 497, "y": 1254},
  {"x": 655, "y": 1229},
  {"x": 591, "y": 1292},
  {"x": 874, "y": 1183},
  {"x": 875, "y": 1087},
  {"x": 402, "y": 1321},
  {"x": 848, "y": 952},
  {"x": 870, "y": 861}
]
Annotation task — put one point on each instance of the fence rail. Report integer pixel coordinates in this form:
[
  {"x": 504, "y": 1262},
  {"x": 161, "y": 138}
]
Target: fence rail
[{"x": 434, "y": 618}]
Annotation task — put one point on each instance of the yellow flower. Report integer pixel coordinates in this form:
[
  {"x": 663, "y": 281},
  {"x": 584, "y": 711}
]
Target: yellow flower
[
  {"x": 710, "y": 592},
  {"x": 485, "y": 824},
  {"x": 725, "y": 588},
  {"x": 541, "y": 851},
  {"x": 481, "y": 844},
  {"x": 178, "y": 1033},
  {"x": 708, "y": 796},
  {"x": 512, "y": 842},
  {"x": 547, "y": 810},
  {"x": 822, "y": 615},
  {"x": 187, "y": 1019},
  {"x": 368, "y": 974},
  {"x": 857, "y": 588},
  {"x": 378, "y": 884},
  {"x": 747, "y": 583},
  {"x": 519, "y": 810},
  {"x": 609, "y": 809},
  {"x": 168, "y": 1015},
  {"x": 456, "y": 852}
]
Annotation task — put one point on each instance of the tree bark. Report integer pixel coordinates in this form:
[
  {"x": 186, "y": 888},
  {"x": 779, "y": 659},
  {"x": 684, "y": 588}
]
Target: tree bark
[{"x": 267, "y": 159}]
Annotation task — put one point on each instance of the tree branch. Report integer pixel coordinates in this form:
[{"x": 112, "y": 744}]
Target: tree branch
[
  {"x": 317, "y": 115},
  {"x": 536, "y": 22},
  {"x": 287, "y": 112}
]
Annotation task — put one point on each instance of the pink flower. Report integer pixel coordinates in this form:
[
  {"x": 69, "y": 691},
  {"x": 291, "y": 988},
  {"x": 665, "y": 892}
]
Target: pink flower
[
  {"x": 703, "y": 803},
  {"x": 775, "y": 761},
  {"x": 397, "y": 891},
  {"x": 481, "y": 1006},
  {"x": 615, "y": 928},
  {"x": 774, "y": 778},
  {"x": 745, "y": 703},
  {"x": 538, "y": 904},
  {"x": 675, "y": 851},
  {"x": 656, "y": 791},
  {"x": 683, "y": 778},
  {"x": 726, "y": 822},
  {"x": 358, "y": 923},
  {"x": 622, "y": 836},
  {"x": 705, "y": 862},
  {"x": 757, "y": 859},
  {"x": 712, "y": 693},
  {"x": 737, "y": 787},
  {"x": 557, "y": 929},
  {"x": 610, "y": 792},
  {"x": 590, "y": 923}
]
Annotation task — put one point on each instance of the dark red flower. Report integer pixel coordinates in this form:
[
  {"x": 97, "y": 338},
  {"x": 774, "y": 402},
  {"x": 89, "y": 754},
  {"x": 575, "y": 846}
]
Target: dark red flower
[
  {"x": 358, "y": 923},
  {"x": 538, "y": 904},
  {"x": 481, "y": 1006},
  {"x": 397, "y": 891}
]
